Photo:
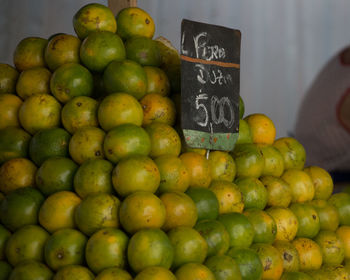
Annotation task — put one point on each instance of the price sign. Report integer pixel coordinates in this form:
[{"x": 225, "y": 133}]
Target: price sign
[{"x": 210, "y": 68}]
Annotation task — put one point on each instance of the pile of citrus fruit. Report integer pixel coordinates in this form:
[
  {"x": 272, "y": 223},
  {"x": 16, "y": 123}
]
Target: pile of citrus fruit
[{"x": 97, "y": 182}]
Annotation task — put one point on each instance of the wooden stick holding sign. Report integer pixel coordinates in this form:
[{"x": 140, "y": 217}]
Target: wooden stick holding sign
[{"x": 117, "y": 5}]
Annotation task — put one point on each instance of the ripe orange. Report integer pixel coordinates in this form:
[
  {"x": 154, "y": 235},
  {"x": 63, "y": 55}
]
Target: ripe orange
[
  {"x": 57, "y": 211},
  {"x": 113, "y": 273},
  {"x": 80, "y": 111},
  {"x": 8, "y": 78},
  {"x": 223, "y": 267},
  {"x": 274, "y": 164},
  {"x": 136, "y": 173},
  {"x": 216, "y": 236},
  {"x": 262, "y": 128},
  {"x": 92, "y": 17},
  {"x": 149, "y": 247},
  {"x": 155, "y": 273},
  {"x": 194, "y": 271},
  {"x": 9, "y": 107},
  {"x": 308, "y": 219},
  {"x": 289, "y": 255},
  {"x": 157, "y": 108},
  {"x": 228, "y": 195},
  {"x": 106, "y": 248},
  {"x": 99, "y": 48},
  {"x": 33, "y": 81},
  {"x": 119, "y": 108},
  {"x": 141, "y": 210},
  {"x": 17, "y": 173},
  {"x": 134, "y": 21},
  {"x": 20, "y": 208},
  {"x": 253, "y": 192},
  {"x": 35, "y": 269},
  {"x": 180, "y": 210},
  {"x": 292, "y": 151},
  {"x": 309, "y": 253},
  {"x": 329, "y": 216},
  {"x": 73, "y": 272},
  {"x": 27, "y": 243},
  {"x": 29, "y": 53},
  {"x": 164, "y": 140},
  {"x": 173, "y": 174},
  {"x": 157, "y": 81},
  {"x": 279, "y": 193},
  {"x": 286, "y": 222},
  {"x": 322, "y": 181},
  {"x": 198, "y": 168},
  {"x": 271, "y": 260},
  {"x": 344, "y": 234},
  {"x": 96, "y": 211},
  {"x": 331, "y": 246},
  {"x": 126, "y": 140},
  {"x": 342, "y": 202},
  {"x": 87, "y": 143},
  {"x": 189, "y": 246},
  {"x": 300, "y": 184},
  {"x": 65, "y": 247},
  {"x": 62, "y": 49},
  {"x": 14, "y": 143},
  {"x": 38, "y": 112},
  {"x": 222, "y": 166},
  {"x": 143, "y": 50}
]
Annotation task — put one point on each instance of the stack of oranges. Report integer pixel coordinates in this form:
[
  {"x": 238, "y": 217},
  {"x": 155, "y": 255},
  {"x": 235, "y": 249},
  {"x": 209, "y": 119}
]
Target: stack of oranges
[{"x": 97, "y": 182}]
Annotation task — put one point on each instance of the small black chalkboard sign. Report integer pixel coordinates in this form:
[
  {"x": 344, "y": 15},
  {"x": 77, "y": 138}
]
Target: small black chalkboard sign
[{"x": 210, "y": 69}]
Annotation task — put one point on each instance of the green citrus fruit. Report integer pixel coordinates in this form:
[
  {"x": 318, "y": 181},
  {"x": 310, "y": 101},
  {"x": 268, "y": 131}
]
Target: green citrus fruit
[
  {"x": 73, "y": 272},
  {"x": 244, "y": 133},
  {"x": 194, "y": 271},
  {"x": 223, "y": 267},
  {"x": 33, "y": 81},
  {"x": 113, "y": 273},
  {"x": 4, "y": 236},
  {"x": 308, "y": 219},
  {"x": 222, "y": 166},
  {"x": 143, "y": 50},
  {"x": 253, "y": 191},
  {"x": 31, "y": 270},
  {"x": 289, "y": 254},
  {"x": 342, "y": 202},
  {"x": 322, "y": 181},
  {"x": 155, "y": 273},
  {"x": 8, "y": 78},
  {"x": 5, "y": 270},
  {"x": 279, "y": 193},
  {"x": 328, "y": 213},
  {"x": 332, "y": 247},
  {"x": 274, "y": 164},
  {"x": 292, "y": 151},
  {"x": 241, "y": 107},
  {"x": 9, "y": 107},
  {"x": 296, "y": 275},
  {"x": 157, "y": 81}
]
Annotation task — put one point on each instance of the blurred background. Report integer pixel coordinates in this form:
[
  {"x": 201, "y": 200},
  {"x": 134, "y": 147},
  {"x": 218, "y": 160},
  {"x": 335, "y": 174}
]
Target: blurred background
[{"x": 284, "y": 43}]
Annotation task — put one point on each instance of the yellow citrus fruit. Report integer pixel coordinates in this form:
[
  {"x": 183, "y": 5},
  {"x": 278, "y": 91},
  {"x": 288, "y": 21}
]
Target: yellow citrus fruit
[
  {"x": 134, "y": 21},
  {"x": 136, "y": 173},
  {"x": 33, "y": 81},
  {"x": 308, "y": 219},
  {"x": 274, "y": 164},
  {"x": 228, "y": 195},
  {"x": 322, "y": 181},
  {"x": 113, "y": 273},
  {"x": 38, "y": 112},
  {"x": 194, "y": 271},
  {"x": 222, "y": 166},
  {"x": 292, "y": 151},
  {"x": 87, "y": 143},
  {"x": 180, "y": 210},
  {"x": 106, "y": 248},
  {"x": 157, "y": 108},
  {"x": 73, "y": 272},
  {"x": 17, "y": 173},
  {"x": 141, "y": 210},
  {"x": 286, "y": 222},
  {"x": 198, "y": 168},
  {"x": 173, "y": 174},
  {"x": 157, "y": 81},
  {"x": 29, "y": 53},
  {"x": 119, "y": 108},
  {"x": 309, "y": 253},
  {"x": 62, "y": 49},
  {"x": 331, "y": 246},
  {"x": 278, "y": 191},
  {"x": 8, "y": 78},
  {"x": 92, "y": 17},
  {"x": 300, "y": 184},
  {"x": 262, "y": 128},
  {"x": 57, "y": 211},
  {"x": 80, "y": 111},
  {"x": 344, "y": 234},
  {"x": 9, "y": 107},
  {"x": 155, "y": 273},
  {"x": 289, "y": 254}
]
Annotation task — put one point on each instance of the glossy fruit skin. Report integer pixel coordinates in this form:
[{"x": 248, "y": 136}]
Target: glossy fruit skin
[
  {"x": 48, "y": 143},
  {"x": 154, "y": 273},
  {"x": 106, "y": 248},
  {"x": 14, "y": 143},
  {"x": 157, "y": 81},
  {"x": 274, "y": 164},
  {"x": 20, "y": 208},
  {"x": 244, "y": 133},
  {"x": 189, "y": 246},
  {"x": 92, "y": 17},
  {"x": 33, "y": 81},
  {"x": 125, "y": 76},
  {"x": 113, "y": 273},
  {"x": 117, "y": 109},
  {"x": 143, "y": 50},
  {"x": 342, "y": 202},
  {"x": 133, "y": 21},
  {"x": 224, "y": 268},
  {"x": 73, "y": 272},
  {"x": 149, "y": 247},
  {"x": 344, "y": 234},
  {"x": 328, "y": 214},
  {"x": 308, "y": 220},
  {"x": 216, "y": 236},
  {"x": 206, "y": 203},
  {"x": 289, "y": 255},
  {"x": 126, "y": 140},
  {"x": 248, "y": 261},
  {"x": 27, "y": 243},
  {"x": 309, "y": 253},
  {"x": 9, "y": 107},
  {"x": 31, "y": 270},
  {"x": 136, "y": 173},
  {"x": 65, "y": 247},
  {"x": 292, "y": 152},
  {"x": 29, "y": 53},
  {"x": 194, "y": 271},
  {"x": 8, "y": 78},
  {"x": 332, "y": 247},
  {"x": 253, "y": 192},
  {"x": 71, "y": 80},
  {"x": 222, "y": 166},
  {"x": 279, "y": 193},
  {"x": 322, "y": 181},
  {"x": 239, "y": 228}
]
